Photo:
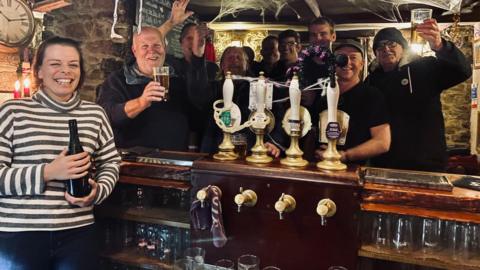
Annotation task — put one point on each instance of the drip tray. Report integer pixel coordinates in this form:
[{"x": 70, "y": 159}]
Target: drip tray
[{"x": 416, "y": 179}]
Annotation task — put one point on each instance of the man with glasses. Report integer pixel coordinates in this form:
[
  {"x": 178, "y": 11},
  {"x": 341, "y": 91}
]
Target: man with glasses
[
  {"x": 368, "y": 132},
  {"x": 412, "y": 86},
  {"x": 289, "y": 47}
]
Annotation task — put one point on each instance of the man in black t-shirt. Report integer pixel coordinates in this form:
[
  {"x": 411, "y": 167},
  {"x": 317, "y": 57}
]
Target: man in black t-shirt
[{"x": 368, "y": 132}]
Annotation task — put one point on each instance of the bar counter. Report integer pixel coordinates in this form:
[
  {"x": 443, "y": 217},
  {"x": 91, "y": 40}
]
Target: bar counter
[{"x": 301, "y": 239}]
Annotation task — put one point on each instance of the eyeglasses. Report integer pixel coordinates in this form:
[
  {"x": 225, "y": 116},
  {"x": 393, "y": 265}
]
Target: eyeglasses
[
  {"x": 287, "y": 44},
  {"x": 386, "y": 44}
]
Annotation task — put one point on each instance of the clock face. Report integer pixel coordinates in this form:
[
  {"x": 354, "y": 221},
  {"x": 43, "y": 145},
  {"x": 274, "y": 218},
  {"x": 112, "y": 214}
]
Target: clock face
[{"x": 16, "y": 23}]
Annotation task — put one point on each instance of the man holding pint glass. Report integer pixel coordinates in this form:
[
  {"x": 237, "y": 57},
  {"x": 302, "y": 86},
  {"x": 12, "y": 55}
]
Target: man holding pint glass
[
  {"x": 412, "y": 86},
  {"x": 145, "y": 107}
]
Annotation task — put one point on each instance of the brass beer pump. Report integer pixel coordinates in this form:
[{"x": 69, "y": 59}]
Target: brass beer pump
[
  {"x": 228, "y": 118},
  {"x": 260, "y": 119},
  {"x": 331, "y": 157},
  {"x": 296, "y": 123}
]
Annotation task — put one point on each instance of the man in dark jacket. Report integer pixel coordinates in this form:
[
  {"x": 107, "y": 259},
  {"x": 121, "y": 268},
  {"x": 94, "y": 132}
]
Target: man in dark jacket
[
  {"x": 412, "y": 86},
  {"x": 134, "y": 103}
]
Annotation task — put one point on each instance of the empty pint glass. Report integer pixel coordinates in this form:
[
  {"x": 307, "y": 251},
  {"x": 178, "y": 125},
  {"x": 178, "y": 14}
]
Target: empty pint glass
[
  {"x": 161, "y": 75},
  {"x": 418, "y": 15}
]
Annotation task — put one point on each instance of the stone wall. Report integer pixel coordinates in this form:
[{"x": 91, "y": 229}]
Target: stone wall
[
  {"x": 89, "y": 21},
  {"x": 9, "y": 62},
  {"x": 456, "y": 102}
]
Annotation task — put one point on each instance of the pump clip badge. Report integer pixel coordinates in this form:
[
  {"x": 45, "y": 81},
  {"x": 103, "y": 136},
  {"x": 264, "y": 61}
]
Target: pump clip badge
[{"x": 333, "y": 130}]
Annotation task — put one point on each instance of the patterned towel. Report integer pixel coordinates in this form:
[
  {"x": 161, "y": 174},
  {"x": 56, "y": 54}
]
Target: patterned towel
[{"x": 210, "y": 215}]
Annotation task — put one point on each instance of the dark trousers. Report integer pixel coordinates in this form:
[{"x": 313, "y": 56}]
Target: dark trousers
[{"x": 60, "y": 250}]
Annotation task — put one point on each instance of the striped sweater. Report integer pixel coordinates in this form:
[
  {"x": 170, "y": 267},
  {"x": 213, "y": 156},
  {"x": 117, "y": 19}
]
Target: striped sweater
[{"x": 32, "y": 133}]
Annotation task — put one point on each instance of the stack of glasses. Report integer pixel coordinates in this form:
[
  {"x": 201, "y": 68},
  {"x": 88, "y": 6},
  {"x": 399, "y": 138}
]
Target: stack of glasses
[{"x": 422, "y": 237}]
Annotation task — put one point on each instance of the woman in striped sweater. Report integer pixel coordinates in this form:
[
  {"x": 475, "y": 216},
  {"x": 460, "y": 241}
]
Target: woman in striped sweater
[{"x": 41, "y": 226}]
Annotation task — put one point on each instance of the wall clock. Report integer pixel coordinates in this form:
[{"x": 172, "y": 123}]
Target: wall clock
[{"x": 17, "y": 24}]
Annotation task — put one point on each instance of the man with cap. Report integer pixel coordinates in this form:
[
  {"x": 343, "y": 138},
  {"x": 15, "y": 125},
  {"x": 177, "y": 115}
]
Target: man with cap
[
  {"x": 412, "y": 86},
  {"x": 368, "y": 133}
]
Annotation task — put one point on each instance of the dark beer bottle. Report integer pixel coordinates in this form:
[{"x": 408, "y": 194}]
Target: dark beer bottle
[{"x": 76, "y": 187}]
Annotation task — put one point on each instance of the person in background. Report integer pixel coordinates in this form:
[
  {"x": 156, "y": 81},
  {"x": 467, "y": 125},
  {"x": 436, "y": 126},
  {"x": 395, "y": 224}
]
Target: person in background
[
  {"x": 183, "y": 67},
  {"x": 412, "y": 86},
  {"x": 250, "y": 57},
  {"x": 234, "y": 59},
  {"x": 321, "y": 32},
  {"x": 289, "y": 46},
  {"x": 42, "y": 226},
  {"x": 270, "y": 56},
  {"x": 368, "y": 129},
  {"x": 135, "y": 103},
  {"x": 180, "y": 66}
]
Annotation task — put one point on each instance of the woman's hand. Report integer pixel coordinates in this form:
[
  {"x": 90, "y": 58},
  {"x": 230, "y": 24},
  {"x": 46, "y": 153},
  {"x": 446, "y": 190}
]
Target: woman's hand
[
  {"x": 65, "y": 167},
  {"x": 84, "y": 201}
]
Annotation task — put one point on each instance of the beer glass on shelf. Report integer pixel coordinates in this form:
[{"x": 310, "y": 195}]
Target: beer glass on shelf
[
  {"x": 248, "y": 262},
  {"x": 456, "y": 239},
  {"x": 381, "y": 230},
  {"x": 418, "y": 15},
  {"x": 403, "y": 234},
  {"x": 161, "y": 75},
  {"x": 194, "y": 258},
  {"x": 224, "y": 264},
  {"x": 430, "y": 241}
]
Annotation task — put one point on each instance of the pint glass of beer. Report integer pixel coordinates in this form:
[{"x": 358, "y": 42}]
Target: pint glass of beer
[
  {"x": 161, "y": 75},
  {"x": 418, "y": 16}
]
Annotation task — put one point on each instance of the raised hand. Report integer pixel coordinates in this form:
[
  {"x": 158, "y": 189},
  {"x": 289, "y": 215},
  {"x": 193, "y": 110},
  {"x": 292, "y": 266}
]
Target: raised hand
[
  {"x": 65, "y": 167},
  {"x": 429, "y": 31},
  {"x": 179, "y": 13}
]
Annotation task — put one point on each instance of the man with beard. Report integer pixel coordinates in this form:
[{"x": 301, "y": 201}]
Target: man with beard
[{"x": 135, "y": 103}]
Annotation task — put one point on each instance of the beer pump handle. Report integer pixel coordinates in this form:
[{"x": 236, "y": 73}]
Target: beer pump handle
[
  {"x": 333, "y": 94},
  {"x": 295, "y": 97},
  {"x": 261, "y": 94},
  {"x": 228, "y": 91}
]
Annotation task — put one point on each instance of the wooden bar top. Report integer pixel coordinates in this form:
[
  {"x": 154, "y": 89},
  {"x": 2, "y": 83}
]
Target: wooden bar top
[{"x": 459, "y": 204}]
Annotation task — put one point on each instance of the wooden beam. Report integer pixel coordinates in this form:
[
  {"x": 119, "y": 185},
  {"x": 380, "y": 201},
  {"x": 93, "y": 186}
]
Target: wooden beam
[{"x": 49, "y": 5}]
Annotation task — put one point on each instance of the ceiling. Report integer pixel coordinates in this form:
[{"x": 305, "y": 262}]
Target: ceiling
[{"x": 341, "y": 11}]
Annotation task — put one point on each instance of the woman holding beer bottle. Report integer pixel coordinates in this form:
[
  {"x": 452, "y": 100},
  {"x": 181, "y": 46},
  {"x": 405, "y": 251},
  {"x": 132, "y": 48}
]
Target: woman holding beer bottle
[{"x": 41, "y": 225}]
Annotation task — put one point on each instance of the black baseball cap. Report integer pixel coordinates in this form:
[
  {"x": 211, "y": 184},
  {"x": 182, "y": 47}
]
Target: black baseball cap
[{"x": 348, "y": 43}]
